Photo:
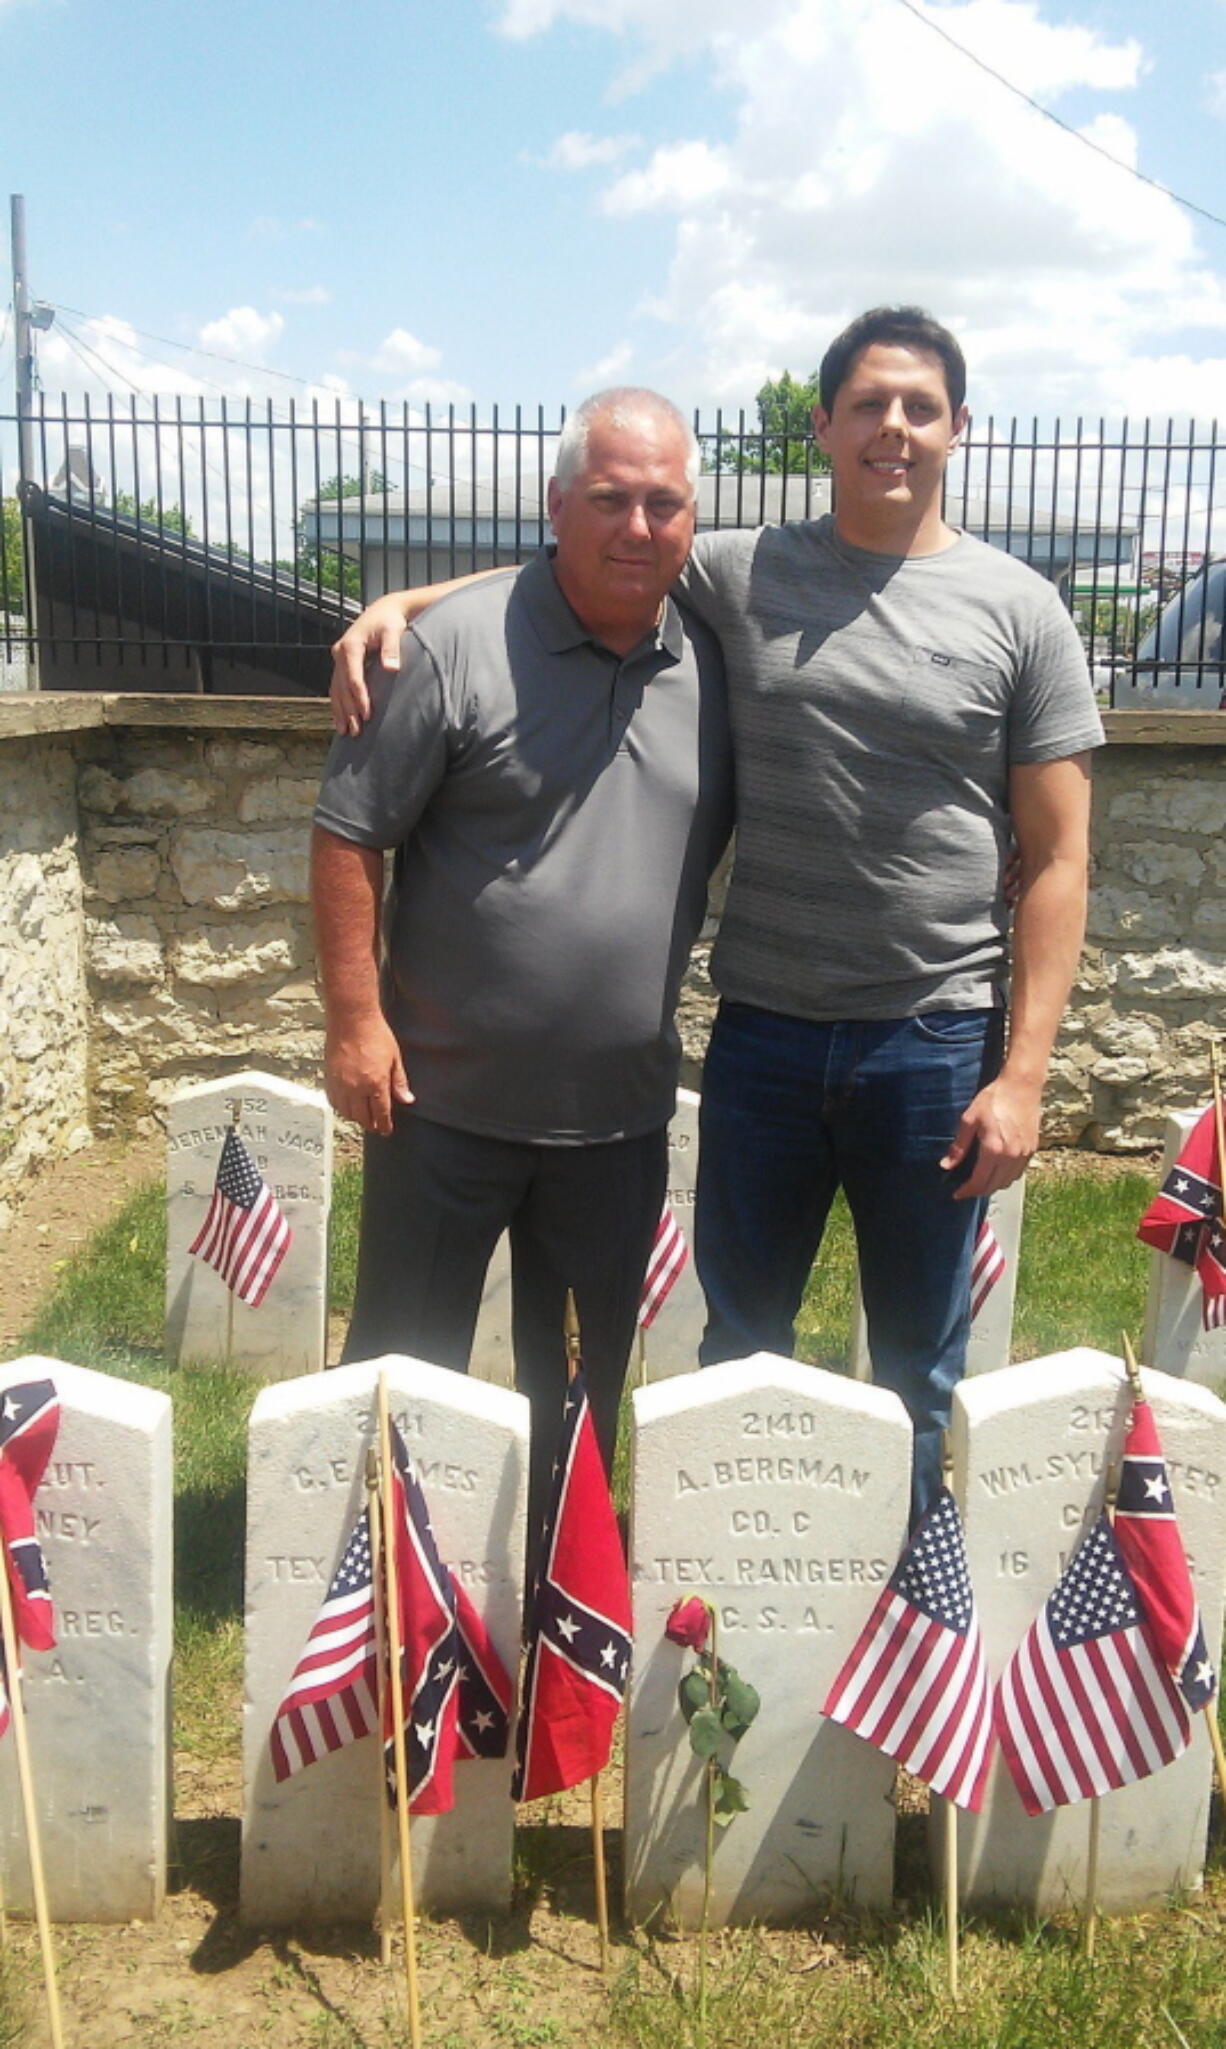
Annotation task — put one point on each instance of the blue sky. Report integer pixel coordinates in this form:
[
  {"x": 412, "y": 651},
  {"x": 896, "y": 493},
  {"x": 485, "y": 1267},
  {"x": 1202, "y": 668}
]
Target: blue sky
[{"x": 515, "y": 202}]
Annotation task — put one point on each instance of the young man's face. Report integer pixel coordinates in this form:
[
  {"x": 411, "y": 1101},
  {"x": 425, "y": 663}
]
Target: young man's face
[{"x": 889, "y": 435}]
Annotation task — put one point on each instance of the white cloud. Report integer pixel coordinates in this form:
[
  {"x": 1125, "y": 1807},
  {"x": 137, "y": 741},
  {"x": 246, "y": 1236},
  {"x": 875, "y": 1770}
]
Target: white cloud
[
  {"x": 437, "y": 391},
  {"x": 1215, "y": 94},
  {"x": 401, "y": 351},
  {"x": 243, "y": 333},
  {"x": 680, "y": 175},
  {"x": 862, "y": 160},
  {"x": 577, "y": 152},
  {"x": 610, "y": 369}
]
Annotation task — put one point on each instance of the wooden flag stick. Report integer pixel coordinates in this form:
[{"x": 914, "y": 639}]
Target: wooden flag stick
[
  {"x": 375, "y": 1525},
  {"x": 1210, "y": 1708},
  {"x": 392, "y": 1613},
  {"x": 951, "y": 1812},
  {"x": 25, "y": 1779},
  {"x": 236, "y": 1112},
  {"x": 574, "y": 1359},
  {"x": 1089, "y": 1919},
  {"x": 951, "y": 1898},
  {"x": 1089, "y": 1926}
]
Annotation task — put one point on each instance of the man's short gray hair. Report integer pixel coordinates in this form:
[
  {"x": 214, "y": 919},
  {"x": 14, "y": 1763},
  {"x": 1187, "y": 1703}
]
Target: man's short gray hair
[{"x": 622, "y": 406}]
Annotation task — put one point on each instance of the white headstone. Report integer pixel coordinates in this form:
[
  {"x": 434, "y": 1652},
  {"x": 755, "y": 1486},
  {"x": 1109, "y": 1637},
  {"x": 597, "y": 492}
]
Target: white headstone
[
  {"x": 98, "y": 1706},
  {"x": 287, "y": 1130},
  {"x": 991, "y": 1334},
  {"x": 311, "y": 1844},
  {"x": 1032, "y": 1446},
  {"x": 779, "y": 1493},
  {"x": 671, "y": 1344},
  {"x": 1176, "y": 1340}
]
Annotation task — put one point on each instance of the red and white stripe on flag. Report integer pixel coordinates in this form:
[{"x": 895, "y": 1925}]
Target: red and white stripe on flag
[
  {"x": 987, "y": 1266},
  {"x": 331, "y": 1699},
  {"x": 244, "y": 1236},
  {"x": 669, "y": 1253},
  {"x": 1085, "y": 1704},
  {"x": 915, "y": 1682}
]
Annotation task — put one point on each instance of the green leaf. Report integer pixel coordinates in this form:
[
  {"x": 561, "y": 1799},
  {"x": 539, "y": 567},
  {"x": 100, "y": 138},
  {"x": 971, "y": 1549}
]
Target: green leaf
[
  {"x": 692, "y": 1694},
  {"x": 730, "y": 1797},
  {"x": 705, "y": 1733},
  {"x": 740, "y": 1702}
]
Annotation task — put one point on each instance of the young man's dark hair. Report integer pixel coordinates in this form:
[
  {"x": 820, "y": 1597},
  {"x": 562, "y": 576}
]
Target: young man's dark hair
[{"x": 898, "y": 327}]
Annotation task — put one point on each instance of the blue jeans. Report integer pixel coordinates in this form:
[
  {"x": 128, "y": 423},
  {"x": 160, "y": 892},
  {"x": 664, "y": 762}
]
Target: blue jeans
[{"x": 792, "y": 1110}]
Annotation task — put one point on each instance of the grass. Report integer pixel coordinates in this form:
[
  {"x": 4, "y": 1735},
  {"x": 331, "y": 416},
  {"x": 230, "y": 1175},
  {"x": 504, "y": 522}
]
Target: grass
[
  {"x": 872, "y": 1982},
  {"x": 1156, "y": 1980}
]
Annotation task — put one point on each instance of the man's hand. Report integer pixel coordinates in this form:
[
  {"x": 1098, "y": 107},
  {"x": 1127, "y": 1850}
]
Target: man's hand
[
  {"x": 376, "y": 631},
  {"x": 1003, "y": 1120},
  {"x": 364, "y": 1075}
]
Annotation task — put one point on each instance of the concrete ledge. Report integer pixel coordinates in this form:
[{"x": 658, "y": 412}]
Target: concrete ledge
[
  {"x": 26, "y": 713},
  {"x": 70, "y": 711}
]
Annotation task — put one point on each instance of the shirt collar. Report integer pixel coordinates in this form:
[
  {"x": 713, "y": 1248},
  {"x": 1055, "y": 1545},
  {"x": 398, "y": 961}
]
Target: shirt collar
[{"x": 560, "y": 630}]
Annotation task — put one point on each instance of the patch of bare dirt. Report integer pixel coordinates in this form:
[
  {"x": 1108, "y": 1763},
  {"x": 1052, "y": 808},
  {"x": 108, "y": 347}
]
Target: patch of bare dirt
[{"x": 58, "y": 1210}]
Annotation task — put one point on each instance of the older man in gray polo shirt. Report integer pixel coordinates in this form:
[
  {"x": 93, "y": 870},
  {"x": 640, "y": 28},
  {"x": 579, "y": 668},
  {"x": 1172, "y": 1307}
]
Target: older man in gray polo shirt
[{"x": 556, "y": 785}]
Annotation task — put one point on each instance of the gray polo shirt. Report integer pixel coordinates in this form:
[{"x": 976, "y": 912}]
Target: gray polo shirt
[
  {"x": 878, "y": 704},
  {"x": 557, "y": 810}
]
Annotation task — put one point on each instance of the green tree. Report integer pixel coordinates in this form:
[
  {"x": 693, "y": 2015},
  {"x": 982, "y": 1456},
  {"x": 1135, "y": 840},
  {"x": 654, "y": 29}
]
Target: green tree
[
  {"x": 784, "y": 440},
  {"x": 12, "y": 578},
  {"x": 171, "y": 518},
  {"x": 324, "y": 567}
]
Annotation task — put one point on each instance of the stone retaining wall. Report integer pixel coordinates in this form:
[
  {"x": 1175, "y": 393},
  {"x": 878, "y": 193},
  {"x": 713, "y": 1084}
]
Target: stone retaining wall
[
  {"x": 153, "y": 904},
  {"x": 44, "y": 1010}
]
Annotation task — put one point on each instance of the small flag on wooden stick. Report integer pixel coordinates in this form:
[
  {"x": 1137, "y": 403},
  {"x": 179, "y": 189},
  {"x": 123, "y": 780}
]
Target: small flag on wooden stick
[
  {"x": 1148, "y": 1535},
  {"x": 29, "y": 1421},
  {"x": 244, "y": 1236},
  {"x": 1086, "y": 1703},
  {"x": 669, "y": 1253},
  {"x": 579, "y": 1640},
  {"x": 1184, "y": 1220},
  {"x": 916, "y": 1681}
]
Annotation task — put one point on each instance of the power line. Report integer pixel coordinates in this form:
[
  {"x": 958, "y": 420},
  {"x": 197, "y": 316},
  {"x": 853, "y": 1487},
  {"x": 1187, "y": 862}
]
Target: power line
[{"x": 1154, "y": 183}]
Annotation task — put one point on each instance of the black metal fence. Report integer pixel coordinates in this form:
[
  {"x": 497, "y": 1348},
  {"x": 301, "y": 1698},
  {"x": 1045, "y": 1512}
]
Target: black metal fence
[{"x": 220, "y": 546}]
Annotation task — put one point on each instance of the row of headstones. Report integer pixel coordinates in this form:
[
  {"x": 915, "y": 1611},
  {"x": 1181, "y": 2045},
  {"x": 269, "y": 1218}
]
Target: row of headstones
[
  {"x": 288, "y": 1130},
  {"x": 778, "y": 1492}
]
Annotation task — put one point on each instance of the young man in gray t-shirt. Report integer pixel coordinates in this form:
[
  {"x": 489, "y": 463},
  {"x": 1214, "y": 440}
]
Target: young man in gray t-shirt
[{"x": 903, "y": 699}]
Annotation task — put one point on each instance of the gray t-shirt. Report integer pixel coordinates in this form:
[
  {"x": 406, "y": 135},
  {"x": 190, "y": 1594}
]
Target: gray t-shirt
[
  {"x": 877, "y": 704},
  {"x": 557, "y": 810}
]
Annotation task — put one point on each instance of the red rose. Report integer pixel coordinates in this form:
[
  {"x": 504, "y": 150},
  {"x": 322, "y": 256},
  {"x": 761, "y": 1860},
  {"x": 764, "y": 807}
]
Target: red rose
[{"x": 689, "y": 1624}]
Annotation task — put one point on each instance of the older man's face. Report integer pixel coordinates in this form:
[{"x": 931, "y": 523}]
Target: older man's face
[{"x": 624, "y": 525}]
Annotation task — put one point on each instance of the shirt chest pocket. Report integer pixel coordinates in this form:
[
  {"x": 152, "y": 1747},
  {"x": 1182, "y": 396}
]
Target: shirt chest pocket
[{"x": 959, "y": 708}]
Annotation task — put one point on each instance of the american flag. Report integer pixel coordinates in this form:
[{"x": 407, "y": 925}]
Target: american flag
[
  {"x": 29, "y": 1421},
  {"x": 1184, "y": 1220},
  {"x": 1085, "y": 1703},
  {"x": 579, "y": 1637},
  {"x": 1148, "y": 1535},
  {"x": 244, "y": 1236},
  {"x": 916, "y": 1681},
  {"x": 457, "y": 1692},
  {"x": 669, "y": 1253},
  {"x": 987, "y": 1266},
  {"x": 332, "y": 1698}
]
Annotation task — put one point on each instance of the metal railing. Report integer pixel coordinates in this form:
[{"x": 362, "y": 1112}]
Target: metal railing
[{"x": 221, "y": 545}]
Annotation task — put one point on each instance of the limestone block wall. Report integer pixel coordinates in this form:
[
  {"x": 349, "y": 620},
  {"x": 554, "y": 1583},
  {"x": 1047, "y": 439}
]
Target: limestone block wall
[
  {"x": 154, "y": 925},
  {"x": 199, "y": 957},
  {"x": 1152, "y": 988},
  {"x": 43, "y": 1000}
]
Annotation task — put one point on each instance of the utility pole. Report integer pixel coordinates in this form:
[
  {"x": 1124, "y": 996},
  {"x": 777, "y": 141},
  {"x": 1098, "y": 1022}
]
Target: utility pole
[{"x": 27, "y": 317}]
